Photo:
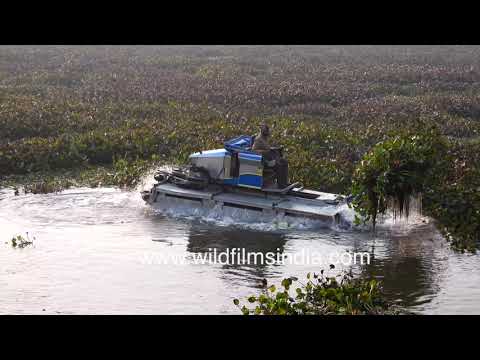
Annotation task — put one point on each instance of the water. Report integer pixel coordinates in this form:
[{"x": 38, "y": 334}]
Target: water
[{"x": 93, "y": 249}]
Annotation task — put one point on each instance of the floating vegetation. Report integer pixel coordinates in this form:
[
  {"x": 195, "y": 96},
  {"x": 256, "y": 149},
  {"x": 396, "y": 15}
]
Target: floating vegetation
[
  {"x": 320, "y": 295},
  {"x": 398, "y": 170},
  {"x": 455, "y": 204},
  {"x": 47, "y": 186},
  {"x": 20, "y": 242},
  {"x": 440, "y": 178},
  {"x": 128, "y": 173}
]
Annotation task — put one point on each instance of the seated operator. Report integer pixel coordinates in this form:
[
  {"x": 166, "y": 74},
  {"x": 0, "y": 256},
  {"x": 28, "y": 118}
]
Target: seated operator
[{"x": 272, "y": 156}]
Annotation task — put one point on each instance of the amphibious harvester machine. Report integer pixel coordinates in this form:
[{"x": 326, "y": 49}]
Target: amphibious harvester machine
[{"x": 237, "y": 177}]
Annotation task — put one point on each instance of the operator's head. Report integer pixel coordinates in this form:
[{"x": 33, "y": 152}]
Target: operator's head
[{"x": 265, "y": 130}]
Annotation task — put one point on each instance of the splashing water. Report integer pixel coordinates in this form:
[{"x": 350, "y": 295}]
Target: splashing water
[
  {"x": 227, "y": 217},
  {"x": 408, "y": 206},
  {"x": 404, "y": 219}
]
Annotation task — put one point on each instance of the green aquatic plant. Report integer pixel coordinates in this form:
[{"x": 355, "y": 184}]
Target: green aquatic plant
[
  {"x": 457, "y": 212},
  {"x": 396, "y": 170},
  {"x": 455, "y": 202},
  {"x": 320, "y": 295},
  {"x": 47, "y": 185},
  {"x": 128, "y": 173},
  {"x": 20, "y": 242},
  {"x": 444, "y": 174}
]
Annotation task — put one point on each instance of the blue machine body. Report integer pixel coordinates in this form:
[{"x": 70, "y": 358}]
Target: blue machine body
[{"x": 235, "y": 164}]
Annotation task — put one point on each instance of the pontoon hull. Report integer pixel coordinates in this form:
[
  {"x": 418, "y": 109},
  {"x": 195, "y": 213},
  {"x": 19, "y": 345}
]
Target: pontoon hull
[{"x": 308, "y": 203}]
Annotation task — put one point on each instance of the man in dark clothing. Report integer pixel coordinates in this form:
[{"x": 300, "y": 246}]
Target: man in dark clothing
[
  {"x": 261, "y": 144},
  {"x": 273, "y": 157}
]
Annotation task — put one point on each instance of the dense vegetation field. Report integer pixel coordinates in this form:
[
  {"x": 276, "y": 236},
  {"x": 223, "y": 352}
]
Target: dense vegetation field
[{"x": 76, "y": 107}]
